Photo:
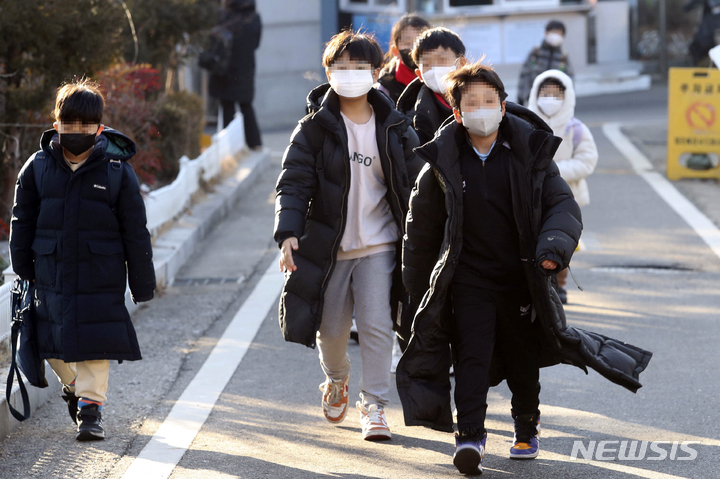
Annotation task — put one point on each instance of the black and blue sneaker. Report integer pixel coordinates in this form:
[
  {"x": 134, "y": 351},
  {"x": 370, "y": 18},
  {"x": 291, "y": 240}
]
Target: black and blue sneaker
[
  {"x": 89, "y": 423},
  {"x": 526, "y": 444},
  {"x": 469, "y": 452}
]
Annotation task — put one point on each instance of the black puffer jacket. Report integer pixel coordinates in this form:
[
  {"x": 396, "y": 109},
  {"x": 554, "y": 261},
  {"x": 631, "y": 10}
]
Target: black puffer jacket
[
  {"x": 427, "y": 113},
  {"x": 67, "y": 237},
  {"x": 311, "y": 200},
  {"x": 548, "y": 222},
  {"x": 393, "y": 86}
]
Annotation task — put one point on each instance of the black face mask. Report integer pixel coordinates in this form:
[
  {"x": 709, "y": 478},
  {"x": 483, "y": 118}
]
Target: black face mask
[
  {"x": 407, "y": 59},
  {"x": 77, "y": 143}
]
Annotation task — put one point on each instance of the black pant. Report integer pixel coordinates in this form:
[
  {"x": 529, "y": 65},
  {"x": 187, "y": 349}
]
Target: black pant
[
  {"x": 252, "y": 132},
  {"x": 499, "y": 321}
]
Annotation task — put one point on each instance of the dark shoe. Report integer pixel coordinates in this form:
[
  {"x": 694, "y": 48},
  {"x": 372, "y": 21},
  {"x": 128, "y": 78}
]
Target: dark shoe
[
  {"x": 563, "y": 294},
  {"x": 72, "y": 402},
  {"x": 90, "y": 424},
  {"x": 526, "y": 444},
  {"x": 469, "y": 453}
]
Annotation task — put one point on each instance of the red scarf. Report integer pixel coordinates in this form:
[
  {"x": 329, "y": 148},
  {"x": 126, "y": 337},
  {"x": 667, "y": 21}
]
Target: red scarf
[
  {"x": 403, "y": 74},
  {"x": 442, "y": 99}
]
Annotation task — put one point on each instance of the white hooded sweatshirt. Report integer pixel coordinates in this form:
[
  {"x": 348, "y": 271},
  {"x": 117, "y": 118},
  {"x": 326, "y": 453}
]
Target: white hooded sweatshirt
[{"x": 577, "y": 155}]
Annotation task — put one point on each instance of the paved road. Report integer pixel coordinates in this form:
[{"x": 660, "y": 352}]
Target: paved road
[{"x": 648, "y": 280}]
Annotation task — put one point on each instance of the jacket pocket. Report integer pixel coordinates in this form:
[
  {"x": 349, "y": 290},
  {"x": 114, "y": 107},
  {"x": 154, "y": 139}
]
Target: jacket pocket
[
  {"x": 45, "y": 261},
  {"x": 107, "y": 269}
]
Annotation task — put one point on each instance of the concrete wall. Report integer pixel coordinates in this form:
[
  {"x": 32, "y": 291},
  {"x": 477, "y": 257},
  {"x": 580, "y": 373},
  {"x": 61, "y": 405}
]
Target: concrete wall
[
  {"x": 288, "y": 60},
  {"x": 613, "y": 31}
]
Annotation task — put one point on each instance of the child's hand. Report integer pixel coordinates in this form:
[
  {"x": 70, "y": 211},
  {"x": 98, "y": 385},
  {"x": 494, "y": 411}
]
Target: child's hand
[
  {"x": 549, "y": 264},
  {"x": 286, "y": 260}
]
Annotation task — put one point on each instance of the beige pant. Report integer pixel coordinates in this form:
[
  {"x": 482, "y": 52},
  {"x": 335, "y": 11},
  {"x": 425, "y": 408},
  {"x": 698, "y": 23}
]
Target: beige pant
[
  {"x": 91, "y": 377},
  {"x": 562, "y": 277}
]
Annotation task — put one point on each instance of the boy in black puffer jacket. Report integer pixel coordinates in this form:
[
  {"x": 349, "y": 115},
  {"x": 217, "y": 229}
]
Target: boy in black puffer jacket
[
  {"x": 425, "y": 101},
  {"x": 341, "y": 201},
  {"x": 78, "y": 232},
  {"x": 490, "y": 221}
]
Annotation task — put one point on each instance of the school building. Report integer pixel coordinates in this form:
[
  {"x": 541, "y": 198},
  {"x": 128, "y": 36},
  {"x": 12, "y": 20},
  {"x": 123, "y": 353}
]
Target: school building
[{"x": 294, "y": 32}]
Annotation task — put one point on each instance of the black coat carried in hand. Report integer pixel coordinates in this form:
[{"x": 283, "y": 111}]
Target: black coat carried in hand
[
  {"x": 311, "y": 200},
  {"x": 549, "y": 226},
  {"x": 65, "y": 235},
  {"x": 238, "y": 83}
]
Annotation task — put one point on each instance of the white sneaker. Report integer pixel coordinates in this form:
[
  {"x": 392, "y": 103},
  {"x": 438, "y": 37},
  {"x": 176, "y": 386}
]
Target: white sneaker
[
  {"x": 335, "y": 399},
  {"x": 374, "y": 425}
]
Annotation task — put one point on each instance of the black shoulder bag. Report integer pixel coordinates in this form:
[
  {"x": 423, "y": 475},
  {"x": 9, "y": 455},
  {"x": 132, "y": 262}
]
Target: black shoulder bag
[{"x": 25, "y": 357}]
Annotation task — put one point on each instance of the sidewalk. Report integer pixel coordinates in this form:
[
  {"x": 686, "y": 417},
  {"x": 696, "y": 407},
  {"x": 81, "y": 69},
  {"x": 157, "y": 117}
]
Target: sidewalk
[{"x": 651, "y": 139}]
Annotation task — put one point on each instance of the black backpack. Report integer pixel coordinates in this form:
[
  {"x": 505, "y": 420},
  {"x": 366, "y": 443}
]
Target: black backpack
[
  {"x": 216, "y": 58},
  {"x": 114, "y": 177}
]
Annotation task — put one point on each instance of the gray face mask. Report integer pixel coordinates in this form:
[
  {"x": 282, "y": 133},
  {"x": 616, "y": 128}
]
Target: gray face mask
[{"x": 483, "y": 121}]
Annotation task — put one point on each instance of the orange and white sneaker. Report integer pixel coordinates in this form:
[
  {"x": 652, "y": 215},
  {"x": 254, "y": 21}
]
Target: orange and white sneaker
[
  {"x": 335, "y": 399},
  {"x": 374, "y": 425}
]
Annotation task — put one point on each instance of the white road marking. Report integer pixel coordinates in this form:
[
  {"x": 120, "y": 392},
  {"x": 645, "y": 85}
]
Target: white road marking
[
  {"x": 700, "y": 223},
  {"x": 611, "y": 466},
  {"x": 160, "y": 456}
]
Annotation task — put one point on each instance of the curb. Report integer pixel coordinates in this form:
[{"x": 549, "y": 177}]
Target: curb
[{"x": 170, "y": 252}]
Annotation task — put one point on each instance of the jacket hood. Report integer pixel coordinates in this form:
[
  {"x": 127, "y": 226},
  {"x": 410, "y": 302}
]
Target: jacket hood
[
  {"x": 324, "y": 105},
  {"x": 559, "y": 121},
  {"x": 524, "y": 131},
  {"x": 315, "y": 98},
  {"x": 111, "y": 143}
]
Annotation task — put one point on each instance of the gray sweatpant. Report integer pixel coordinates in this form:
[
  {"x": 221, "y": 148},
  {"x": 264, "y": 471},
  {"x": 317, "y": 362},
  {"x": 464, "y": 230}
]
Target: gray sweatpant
[{"x": 364, "y": 284}]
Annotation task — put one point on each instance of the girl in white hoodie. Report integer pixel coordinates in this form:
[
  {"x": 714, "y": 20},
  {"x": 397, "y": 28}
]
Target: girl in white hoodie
[{"x": 553, "y": 98}]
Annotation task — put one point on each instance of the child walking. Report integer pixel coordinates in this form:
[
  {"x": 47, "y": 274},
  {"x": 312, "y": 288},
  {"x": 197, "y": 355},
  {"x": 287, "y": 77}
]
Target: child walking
[
  {"x": 400, "y": 70},
  {"x": 437, "y": 52},
  {"x": 490, "y": 221},
  {"x": 79, "y": 233},
  {"x": 340, "y": 206}
]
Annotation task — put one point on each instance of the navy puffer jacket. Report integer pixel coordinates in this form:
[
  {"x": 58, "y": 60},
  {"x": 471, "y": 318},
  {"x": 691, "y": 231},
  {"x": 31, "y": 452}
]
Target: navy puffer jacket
[{"x": 66, "y": 236}]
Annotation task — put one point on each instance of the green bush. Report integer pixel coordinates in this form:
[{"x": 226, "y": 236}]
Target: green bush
[{"x": 179, "y": 121}]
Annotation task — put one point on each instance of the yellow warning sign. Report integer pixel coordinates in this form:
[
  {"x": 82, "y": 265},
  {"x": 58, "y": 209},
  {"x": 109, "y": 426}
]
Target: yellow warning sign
[{"x": 693, "y": 146}]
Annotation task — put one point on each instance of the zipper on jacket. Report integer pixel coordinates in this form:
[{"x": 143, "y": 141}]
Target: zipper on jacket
[
  {"x": 485, "y": 189},
  {"x": 346, "y": 161}
]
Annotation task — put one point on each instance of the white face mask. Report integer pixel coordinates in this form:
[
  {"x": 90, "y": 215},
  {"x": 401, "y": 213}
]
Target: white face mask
[
  {"x": 483, "y": 121},
  {"x": 554, "y": 39},
  {"x": 549, "y": 105},
  {"x": 351, "y": 83},
  {"x": 433, "y": 78}
]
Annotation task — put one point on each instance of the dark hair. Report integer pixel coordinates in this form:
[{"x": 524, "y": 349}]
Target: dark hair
[
  {"x": 359, "y": 45},
  {"x": 79, "y": 100},
  {"x": 476, "y": 72},
  {"x": 555, "y": 25},
  {"x": 552, "y": 81},
  {"x": 240, "y": 5},
  {"x": 407, "y": 20},
  {"x": 435, "y": 38}
]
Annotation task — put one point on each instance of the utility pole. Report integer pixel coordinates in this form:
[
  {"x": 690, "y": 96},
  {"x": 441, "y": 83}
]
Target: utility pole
[{"x": 662, "y": 31}]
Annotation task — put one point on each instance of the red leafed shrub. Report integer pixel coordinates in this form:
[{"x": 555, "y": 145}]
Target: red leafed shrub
[{"x": 129, "y": 94}]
